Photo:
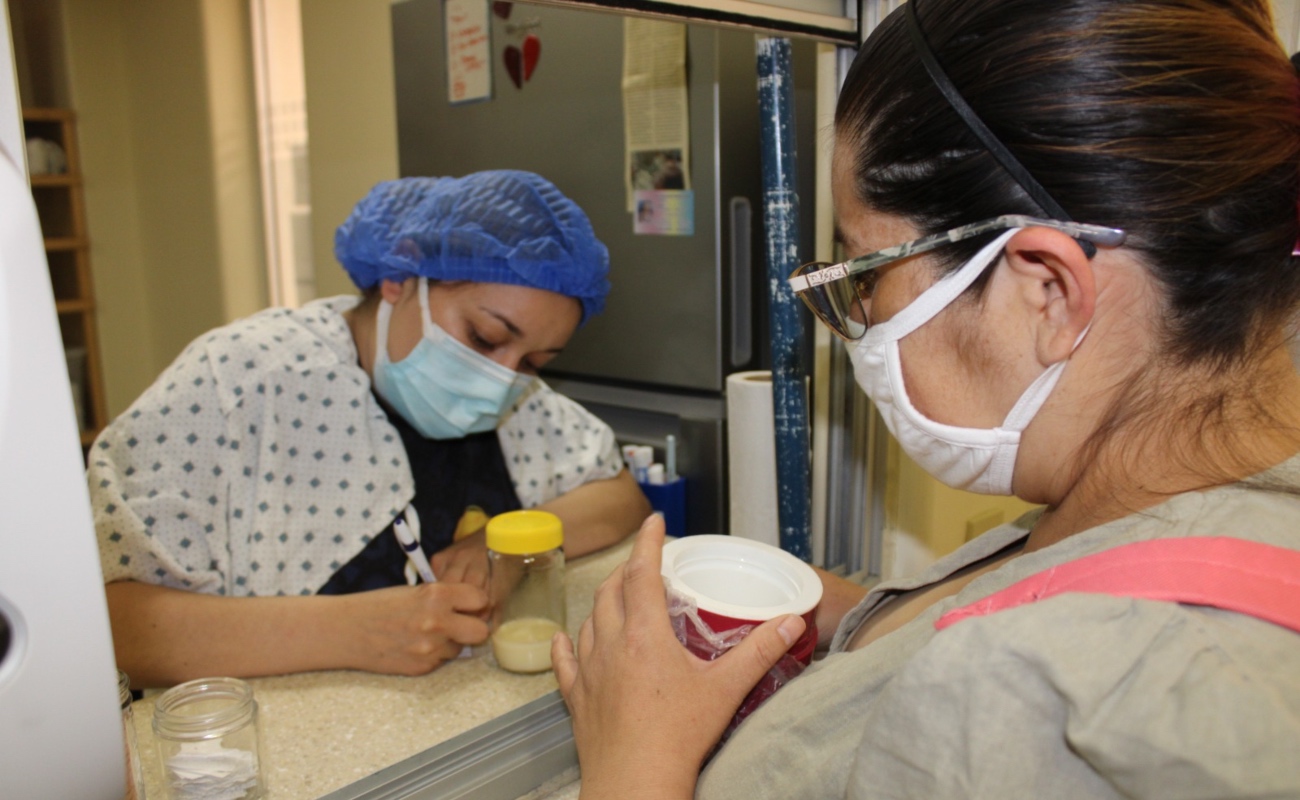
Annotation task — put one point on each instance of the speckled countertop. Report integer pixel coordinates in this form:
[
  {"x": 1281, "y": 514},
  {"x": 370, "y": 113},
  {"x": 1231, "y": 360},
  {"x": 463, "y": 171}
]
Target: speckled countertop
[{"x": 324, "y": 730}]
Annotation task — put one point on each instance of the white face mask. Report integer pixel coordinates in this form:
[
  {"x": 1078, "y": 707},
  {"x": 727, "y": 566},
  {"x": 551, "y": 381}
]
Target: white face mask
[{"x": 975, "y": 459}]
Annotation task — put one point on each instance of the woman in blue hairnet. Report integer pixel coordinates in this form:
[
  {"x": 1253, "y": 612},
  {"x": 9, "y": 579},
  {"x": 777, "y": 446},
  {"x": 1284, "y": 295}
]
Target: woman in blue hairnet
[{"x": 245, "y": 503}]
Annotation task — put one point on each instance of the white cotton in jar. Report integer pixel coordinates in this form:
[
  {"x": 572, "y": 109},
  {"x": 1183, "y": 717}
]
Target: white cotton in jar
[{"x": 207, "y": 738}]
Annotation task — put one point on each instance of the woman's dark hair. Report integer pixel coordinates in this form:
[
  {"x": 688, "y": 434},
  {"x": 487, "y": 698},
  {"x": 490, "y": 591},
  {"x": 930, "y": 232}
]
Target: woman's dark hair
[{"x": 1176, "y": 120}]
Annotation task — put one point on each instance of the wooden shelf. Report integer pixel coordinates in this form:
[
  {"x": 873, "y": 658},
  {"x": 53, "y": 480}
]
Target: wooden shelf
[
  {"x": 61, "y": 206},
  {"x": 60, "y": 243},
  {"x": 80, "y": 306},
  {"x": 60, "y": 115},
  {"x": 55, "y": 181}
]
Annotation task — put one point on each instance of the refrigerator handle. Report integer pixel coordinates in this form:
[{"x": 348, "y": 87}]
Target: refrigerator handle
[{"x": 742, "y": 278}]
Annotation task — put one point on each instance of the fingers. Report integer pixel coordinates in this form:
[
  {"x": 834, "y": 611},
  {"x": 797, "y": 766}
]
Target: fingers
[
  {"x": 438, "y": 562},
  {"x": 564, "y": 663},
  {"x": 462, "y": 597},
  {"x": 607, "y": 609},
  {"x": 649, "y": 540},
  {"x": 455, "y": 572},
  {"x": 465, "y": 629},
  {"x": 448, "y": 650},
  {"x": 456, "y": 611},
  {"x": 586, "y": 639},
  {"x": 643, "y": 586},
  {"x": 460, "y": 564},
  {"x": 750, "y": 660}
]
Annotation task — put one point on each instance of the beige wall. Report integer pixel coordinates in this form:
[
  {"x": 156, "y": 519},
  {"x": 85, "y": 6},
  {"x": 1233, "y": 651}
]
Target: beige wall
[
  {"x": 351, "y": 117},
  {"x": 934, "y": 519},
  {"x": 100, "y": 72},
  {"x": 163, "y": 93},
  {"x": 1287, "y": 15},
  {"x": 236, "y": 165},
  {"x": 163, "y": 90},
  {"x": 36, "y": 27}
]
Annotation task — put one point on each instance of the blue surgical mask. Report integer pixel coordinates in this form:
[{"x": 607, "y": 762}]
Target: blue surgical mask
[{"x": 443, "y": 388}]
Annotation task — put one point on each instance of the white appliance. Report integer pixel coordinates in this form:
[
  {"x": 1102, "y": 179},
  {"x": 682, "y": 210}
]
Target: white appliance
[{"x": 60, "y": 721}]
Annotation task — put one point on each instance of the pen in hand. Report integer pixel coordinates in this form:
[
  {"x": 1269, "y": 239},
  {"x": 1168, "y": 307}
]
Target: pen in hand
[
  {"x": 413, "y": 552},
  {"x": 420, "y": 561}
]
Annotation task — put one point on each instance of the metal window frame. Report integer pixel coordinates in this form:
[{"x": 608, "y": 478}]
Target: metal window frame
[
  {"x": 503, "y": 759},
  {"x": 746, "y": 14}
]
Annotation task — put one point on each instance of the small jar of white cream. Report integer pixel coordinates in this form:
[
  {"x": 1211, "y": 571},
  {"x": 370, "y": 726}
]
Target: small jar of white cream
[{"x": 527, "y": 568}]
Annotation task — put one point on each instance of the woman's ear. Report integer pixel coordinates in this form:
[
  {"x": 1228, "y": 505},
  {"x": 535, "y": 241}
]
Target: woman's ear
[
  {"x": 392, "y": 291},
  {"x": 1057, "y": 287}
]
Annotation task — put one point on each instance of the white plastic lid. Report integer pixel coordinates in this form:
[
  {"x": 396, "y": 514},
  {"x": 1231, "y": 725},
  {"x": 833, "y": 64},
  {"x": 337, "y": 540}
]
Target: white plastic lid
[{"x": 740, "y": 578}]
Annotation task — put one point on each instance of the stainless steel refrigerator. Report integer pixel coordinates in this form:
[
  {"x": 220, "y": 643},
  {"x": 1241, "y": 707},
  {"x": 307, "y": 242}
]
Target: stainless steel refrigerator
[{"x": 684, "y": 311}]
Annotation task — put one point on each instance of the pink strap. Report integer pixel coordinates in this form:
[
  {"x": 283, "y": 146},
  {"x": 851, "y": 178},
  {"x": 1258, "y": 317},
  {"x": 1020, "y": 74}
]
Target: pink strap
[{"x": 1233, "y": 574}]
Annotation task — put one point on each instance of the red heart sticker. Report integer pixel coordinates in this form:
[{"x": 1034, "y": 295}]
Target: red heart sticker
[
  {"x": 514, "y": 65},
  {"x": 532, "y": 52},
  {"x": 502, "y": 10}
]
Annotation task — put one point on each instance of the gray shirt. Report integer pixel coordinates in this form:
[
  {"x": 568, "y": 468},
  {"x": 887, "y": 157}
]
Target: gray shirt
[{"x": 1075, "y": 696}]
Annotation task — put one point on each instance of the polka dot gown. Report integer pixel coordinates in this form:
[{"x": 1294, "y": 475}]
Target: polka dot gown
[{"x": 260, "y": 462}]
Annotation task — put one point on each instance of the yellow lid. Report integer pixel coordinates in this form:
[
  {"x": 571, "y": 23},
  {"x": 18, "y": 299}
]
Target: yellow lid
[{"x": 522, "y": 532}]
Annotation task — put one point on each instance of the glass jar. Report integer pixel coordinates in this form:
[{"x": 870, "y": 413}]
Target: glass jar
[
  {"x": 134, "y": 772},
  {"x": 527, "y": 569},
  {"x": 207, "y": 737}
]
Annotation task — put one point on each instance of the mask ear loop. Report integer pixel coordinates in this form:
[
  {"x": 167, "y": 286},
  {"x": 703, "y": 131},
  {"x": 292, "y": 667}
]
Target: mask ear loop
[
  {"x": 383, "y": 315},
  {"x": 426, "y": 319},
  {"x": 991, "y": 142},
  {"x": 1027, "y": 406},
  {"x": 939, "y": 296}
]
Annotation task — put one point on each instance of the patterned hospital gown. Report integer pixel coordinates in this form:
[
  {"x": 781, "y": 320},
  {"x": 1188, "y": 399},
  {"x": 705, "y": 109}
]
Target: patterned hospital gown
[{"x": 260, "y": 462}]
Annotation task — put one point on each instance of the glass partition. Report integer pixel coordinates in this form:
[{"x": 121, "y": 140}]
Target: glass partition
[{"x": 529, "y": 743}]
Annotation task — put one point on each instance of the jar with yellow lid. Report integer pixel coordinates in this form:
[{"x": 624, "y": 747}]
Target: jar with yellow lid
[{"x": 527, "y": 569}]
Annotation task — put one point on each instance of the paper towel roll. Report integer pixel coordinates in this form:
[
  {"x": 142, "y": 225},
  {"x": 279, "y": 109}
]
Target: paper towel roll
[{"x": 751, "y": 452}]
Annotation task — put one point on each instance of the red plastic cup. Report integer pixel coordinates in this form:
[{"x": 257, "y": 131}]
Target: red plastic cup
[{"x": 736, "y": 582}]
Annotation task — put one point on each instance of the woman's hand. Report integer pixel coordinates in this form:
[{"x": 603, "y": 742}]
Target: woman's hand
[
  {"x": 463, "y": 562},
  {"x": 411, "y": 630},
  {"x": 165, "y": 636},
  {"x": 646, "y": 711},
  {"x": 839, "y": 597}
]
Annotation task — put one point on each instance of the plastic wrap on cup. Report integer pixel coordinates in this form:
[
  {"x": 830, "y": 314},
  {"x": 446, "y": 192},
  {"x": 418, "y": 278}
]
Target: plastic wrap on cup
[{"x": 722, "y": 587}]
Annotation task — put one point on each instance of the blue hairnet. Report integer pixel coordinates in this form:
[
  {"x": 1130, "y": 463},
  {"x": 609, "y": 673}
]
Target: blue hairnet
[{"x": 499, "y": 226}]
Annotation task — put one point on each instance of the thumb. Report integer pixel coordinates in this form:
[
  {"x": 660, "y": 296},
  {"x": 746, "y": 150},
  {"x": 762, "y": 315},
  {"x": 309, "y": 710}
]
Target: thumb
[
  {"x": 462, "y": 597},
  {"x": 750, "y": 660}
]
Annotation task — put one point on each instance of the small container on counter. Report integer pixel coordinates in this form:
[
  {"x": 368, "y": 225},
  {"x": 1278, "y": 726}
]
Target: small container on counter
[
  {"x": 134, "y": 772},
  {"x": 208, "y": 743},
  {"x": 527, "y": 569}
]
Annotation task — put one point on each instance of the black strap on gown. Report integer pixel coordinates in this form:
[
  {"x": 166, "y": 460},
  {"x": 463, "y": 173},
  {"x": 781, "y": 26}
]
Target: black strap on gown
[{"x": 450, "y": 475}]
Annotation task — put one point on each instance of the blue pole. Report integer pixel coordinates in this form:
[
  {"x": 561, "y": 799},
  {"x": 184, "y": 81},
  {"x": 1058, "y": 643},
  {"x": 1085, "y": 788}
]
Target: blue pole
[{"x": 781, "y": 222}]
